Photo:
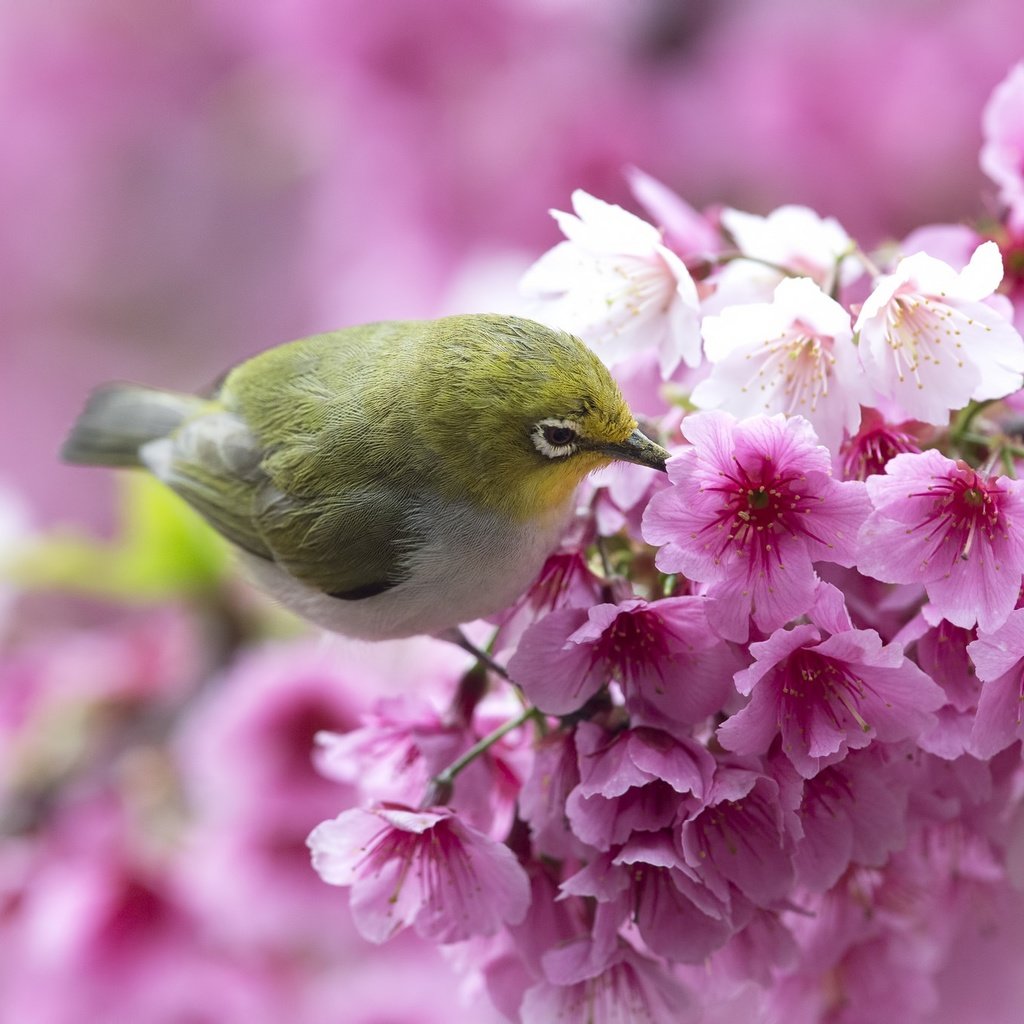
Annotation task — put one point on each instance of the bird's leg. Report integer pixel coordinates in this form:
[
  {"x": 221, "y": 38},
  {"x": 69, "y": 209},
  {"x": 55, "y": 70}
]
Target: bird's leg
[{"x": 457, "y": 637}]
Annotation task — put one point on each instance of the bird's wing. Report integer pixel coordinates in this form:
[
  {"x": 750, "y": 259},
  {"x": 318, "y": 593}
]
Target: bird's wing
[
  {"x": 349, "y": 543},
  {"x": 213, "y": 462}
]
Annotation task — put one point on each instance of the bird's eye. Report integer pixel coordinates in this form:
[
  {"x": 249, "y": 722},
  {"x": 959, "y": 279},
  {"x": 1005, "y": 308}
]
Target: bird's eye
[
  {"x": 555, "y": 438},
  {"x": 559, "y": 437}
]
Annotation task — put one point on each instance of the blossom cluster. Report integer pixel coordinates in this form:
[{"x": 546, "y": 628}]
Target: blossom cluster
[{"x": 751, "y": 747}]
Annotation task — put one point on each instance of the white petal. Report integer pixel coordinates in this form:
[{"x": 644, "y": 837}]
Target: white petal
[{"x": 981, "y": 277}]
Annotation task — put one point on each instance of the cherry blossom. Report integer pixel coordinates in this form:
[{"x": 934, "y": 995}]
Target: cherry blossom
[
  {"x": 793, "y": 355},
  {"x": 640, "y": 780},
  {"x": 662, "y": 653},
  {"x": 420, "y": 868},
  {"x": 824, "y": 696},
  {"x": 874, "y": 444},
  {"x": 930, "y": 342},
  {"x": 795, "y": 239},
  {"x": 997, "y": 657},
  {"x": 1002, "y": 155},
  {"x": 951, "y": 528},
  {"x": 630, "y": 987},
  {"x": 753, "y": 507},
  {"x": 617, "y": 285},
  {"x": 741, "y": 838}
]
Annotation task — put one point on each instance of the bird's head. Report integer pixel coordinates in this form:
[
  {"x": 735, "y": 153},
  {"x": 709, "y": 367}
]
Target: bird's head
[{"x": 537, "y": 411}]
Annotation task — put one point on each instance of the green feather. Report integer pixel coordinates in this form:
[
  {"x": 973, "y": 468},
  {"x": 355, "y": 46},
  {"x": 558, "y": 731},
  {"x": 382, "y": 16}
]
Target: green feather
[{"x": 324, "y": 454}]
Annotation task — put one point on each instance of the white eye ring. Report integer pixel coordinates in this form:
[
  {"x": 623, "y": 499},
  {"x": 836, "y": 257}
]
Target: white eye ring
[{"x": 545, "y": 447}]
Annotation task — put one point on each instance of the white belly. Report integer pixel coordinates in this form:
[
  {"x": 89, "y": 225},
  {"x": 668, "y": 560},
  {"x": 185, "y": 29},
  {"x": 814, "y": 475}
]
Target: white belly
[{"x": 472, "y": 564}]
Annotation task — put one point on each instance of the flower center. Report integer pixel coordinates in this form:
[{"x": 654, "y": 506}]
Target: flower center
[
  {"x": 966, "y": 508},
  {"x": 793, "y": 367},
  {"x": 633, "y": 643},
  {"x": 758, "y": 499},
  {"x": 918, "y": 326},
  {"x": 814, "y": 680}
]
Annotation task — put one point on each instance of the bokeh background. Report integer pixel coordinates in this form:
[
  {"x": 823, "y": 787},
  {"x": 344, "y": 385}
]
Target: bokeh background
[{"x": 182, "y": 185}]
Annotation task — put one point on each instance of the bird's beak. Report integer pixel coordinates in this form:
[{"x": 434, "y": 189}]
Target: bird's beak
[{"x": 639, "y": 449}]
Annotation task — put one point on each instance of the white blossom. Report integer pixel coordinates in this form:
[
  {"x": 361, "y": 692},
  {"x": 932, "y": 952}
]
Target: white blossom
[
  {"x": 794, "y": 355},
  {"x": 618, "y": 286},
  {"x": 929, "y": 341}
]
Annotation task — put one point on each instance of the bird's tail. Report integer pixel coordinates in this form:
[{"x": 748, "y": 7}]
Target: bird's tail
[{"x": 119, "y": 418}]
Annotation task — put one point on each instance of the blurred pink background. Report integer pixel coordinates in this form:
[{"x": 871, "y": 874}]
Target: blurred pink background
[{"x": 182, "y": 185}]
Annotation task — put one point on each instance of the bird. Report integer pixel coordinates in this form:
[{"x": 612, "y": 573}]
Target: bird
[{"x": 384, "y": 480}]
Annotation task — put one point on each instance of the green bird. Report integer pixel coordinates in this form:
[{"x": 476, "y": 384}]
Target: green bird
[{"x": 386, "y": 480}]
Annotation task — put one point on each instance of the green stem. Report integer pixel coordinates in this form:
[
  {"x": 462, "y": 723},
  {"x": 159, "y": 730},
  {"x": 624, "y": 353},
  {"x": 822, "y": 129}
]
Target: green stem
[
  {"x": 442, "y": 782},
  {"x": 995, "y": 443},
  {"x": 964, "y": 419}
]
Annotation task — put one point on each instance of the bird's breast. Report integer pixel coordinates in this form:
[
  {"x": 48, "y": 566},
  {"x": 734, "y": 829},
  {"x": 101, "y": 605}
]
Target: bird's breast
[{"x": 467, "y": 562}]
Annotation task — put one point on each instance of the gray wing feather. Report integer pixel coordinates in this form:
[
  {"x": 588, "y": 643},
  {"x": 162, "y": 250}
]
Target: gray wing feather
[{"x": 350, "y": 544}]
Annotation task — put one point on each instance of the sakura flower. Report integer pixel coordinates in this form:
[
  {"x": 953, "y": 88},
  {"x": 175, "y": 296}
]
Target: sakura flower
[
  {"x": 1002, "y": 155},
  {"x": 661, "y": 652},
  {"x": 677, "y": 917},
  {"x": 542, "y": 799},
  {"x": 564, "y": 581},
  {"x": 753, "y": 507},
  {"x": 873, "y": 446},
  {"x": 616, "y": 284},
  {"x": 686, "y": 230},
  {"x": 794, "y": 238},
  {"x": 740, "y": 837},
  {"x": 945, "y": 525},
  {"x": 420, "y": 868},
  {"x": 942, "y": 652},
  {"x": 637, "y": 781},
  {"x": 997, "y": 657},
  {"x": 825, "y": 697},
  {"x": 792, "y": 355},
  {"x": 850, "y": 812},
  {"x": 631, "y": 987},
  {"x": 404, "y": 742},
  {"x": 619, "y": 493},
  {"x": 929, "y": 341}
]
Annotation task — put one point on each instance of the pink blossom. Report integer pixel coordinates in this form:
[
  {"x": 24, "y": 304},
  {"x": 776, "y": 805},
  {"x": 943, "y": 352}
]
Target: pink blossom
[
  {"x": 630, "y": 987},
  {"x": 753, "y": 507},
  {"x": 513, "y": 961},
  {"x": 853, "y": 812},
  {"x": 997, "y": 656},
  {"x": 826, "y": 696},
  {"x": 1002, "y": 155},
  {"x": 741, "y": 837},
  {"x": 793, "y": 355},
  {"x": 954, "y": 244},
  {"x": 688, "y": 232},
  {"x": 640, "y": 780},
  {"x": 943, "y": 524},
  {"x": 661, "y": 652},
  {"x": 941, "y": 651},
  {"x": 870, "y": 449},
  {"x": 404, "y": 742},
  {"x": 621, "y": 492},
  {"x": 543, "y": 797},
  {"x": 565, "y": 581},
  {"x": 677, "y": 916},
  {"x": 930, "y": 342},
  {"x": 421, "y": 868}
]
